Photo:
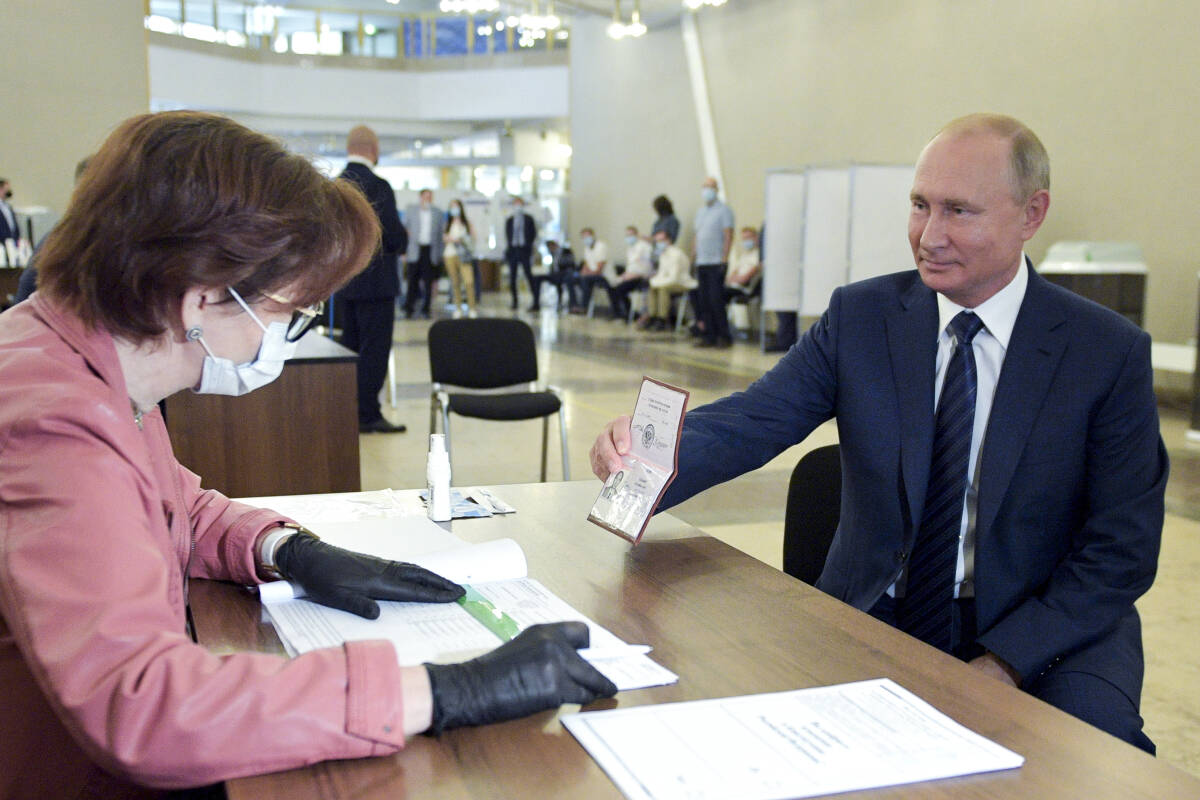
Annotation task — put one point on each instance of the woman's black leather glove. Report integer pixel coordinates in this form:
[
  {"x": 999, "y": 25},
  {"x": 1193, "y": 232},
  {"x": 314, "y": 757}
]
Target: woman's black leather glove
[
  {"x": 537, "y": 670},
  {"x": 353, "y": 582}
]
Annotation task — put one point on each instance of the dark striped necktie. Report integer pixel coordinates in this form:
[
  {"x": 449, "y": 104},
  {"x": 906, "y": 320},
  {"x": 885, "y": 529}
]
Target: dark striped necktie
[{"x": 925, "y": 611}]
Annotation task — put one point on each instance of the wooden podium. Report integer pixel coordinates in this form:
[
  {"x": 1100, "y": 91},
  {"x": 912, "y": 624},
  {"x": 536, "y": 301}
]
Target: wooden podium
[{"x": 297, "y": 435}]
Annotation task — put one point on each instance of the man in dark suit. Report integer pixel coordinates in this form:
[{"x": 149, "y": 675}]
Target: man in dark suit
[
  {"x": 368, "y": 301},
  {"x": 9, "y": 229},
  {"x": 520, "y": 233},
  {"x": 1055, "y": 524}
]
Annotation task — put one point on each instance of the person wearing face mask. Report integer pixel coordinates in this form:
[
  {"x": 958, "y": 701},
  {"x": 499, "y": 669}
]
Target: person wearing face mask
[
  {"x": 104, "y": 692},
  {"x": 673, "y": 277},
  {"x": 457, "y": 240},
  {"x": 596, "y": 269},
  {"x": 369, "y": 300},
  {"x": 745, "y": 270},
  {"x": 520, "y": 232},
  {"x": 636, "y": 275},
  {"x": 710, "y": 254}
]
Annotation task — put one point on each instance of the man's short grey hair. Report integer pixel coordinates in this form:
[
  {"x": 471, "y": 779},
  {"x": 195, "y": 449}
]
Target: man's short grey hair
[{"x": 1029, "y": 164}]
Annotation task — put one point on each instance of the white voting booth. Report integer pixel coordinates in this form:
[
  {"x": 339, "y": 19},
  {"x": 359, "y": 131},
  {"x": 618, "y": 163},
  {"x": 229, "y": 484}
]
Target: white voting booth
[{"x": 827, "y": 226}]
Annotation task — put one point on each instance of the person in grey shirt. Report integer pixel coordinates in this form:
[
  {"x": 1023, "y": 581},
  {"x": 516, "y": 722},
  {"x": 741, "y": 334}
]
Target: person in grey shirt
[
  {"x": 425, "y": 223},
  {"x": 710, "y": 254}
]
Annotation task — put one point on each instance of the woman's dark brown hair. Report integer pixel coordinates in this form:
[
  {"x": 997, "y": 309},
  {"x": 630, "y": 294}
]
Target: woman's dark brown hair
[{"x": 182, "y": 199}]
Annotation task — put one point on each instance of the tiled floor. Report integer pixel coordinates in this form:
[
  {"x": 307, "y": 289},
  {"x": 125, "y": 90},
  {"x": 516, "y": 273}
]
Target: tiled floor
[{"x": 599, "y": 363}]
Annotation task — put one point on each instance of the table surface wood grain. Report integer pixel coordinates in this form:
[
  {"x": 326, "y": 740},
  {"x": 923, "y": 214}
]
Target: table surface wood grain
[{"x": 728, "y": 625}]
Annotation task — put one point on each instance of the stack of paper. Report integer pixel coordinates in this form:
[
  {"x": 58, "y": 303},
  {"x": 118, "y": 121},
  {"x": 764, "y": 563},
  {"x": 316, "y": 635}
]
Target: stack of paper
[
  {"x": 501, "y": 601},
  {"x": 790, "y": 744}
]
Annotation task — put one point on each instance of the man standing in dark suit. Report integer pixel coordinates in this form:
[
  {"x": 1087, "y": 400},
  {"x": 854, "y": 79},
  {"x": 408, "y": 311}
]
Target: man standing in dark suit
[
  {"x": 368, "y": 302},
  {"x": 9, "y": 229},
  {"x": 520, "y": 232},
  {"x": 1002, "y": 469}
]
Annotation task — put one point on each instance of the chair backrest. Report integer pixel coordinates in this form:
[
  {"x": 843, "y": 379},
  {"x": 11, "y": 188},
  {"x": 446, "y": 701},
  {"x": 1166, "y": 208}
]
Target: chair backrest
[
  {"x": 814, "y": 504},
  {"x": 482, "y": 353}
]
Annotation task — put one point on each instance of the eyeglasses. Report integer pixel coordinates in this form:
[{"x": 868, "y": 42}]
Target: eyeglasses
[{"x": 303, "y": 317}]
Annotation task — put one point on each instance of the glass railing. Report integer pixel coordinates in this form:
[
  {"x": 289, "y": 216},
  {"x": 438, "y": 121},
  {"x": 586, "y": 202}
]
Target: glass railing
[{"x": 341, "y": 31}]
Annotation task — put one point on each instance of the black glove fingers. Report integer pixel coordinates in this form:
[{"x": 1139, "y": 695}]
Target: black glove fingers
[
  {"x": 587, "y": 682},
  {"x": 345, "y": 600},
  {"x": 408, "y": 582}
]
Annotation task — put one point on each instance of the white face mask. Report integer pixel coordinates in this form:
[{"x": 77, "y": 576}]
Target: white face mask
[
  {"x": 708, "y": 194},
  {"x": 222, "y": 376}
]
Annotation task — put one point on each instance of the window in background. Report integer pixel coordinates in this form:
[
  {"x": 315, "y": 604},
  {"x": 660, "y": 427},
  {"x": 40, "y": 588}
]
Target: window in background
[
  {"x": 401, "y": 177},
  {"x": 488, "y": 180}
]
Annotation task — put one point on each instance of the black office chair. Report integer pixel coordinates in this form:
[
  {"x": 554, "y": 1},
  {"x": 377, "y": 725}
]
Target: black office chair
[
  {"x": 485, "y": 355},
  {"x": 814, "y": 503}
]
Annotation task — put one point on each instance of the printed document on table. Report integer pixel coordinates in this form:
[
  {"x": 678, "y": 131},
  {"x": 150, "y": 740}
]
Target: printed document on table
[
  {"x": 802, "y": 743},
  {"x": 631, "y": 494},
  {"x": 501, "y": 601}
]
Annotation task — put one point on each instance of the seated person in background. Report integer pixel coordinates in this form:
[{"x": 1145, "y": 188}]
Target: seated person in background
[
  {"x": 563, "y": 274},
  {"x": 596, "y": 270},
  {"x": 636, "y": 275},
  {"x": 103, "y": 691},
  {"x": 1003, "y": 469},
  {"x": 745, "y": 268},
  {"x": 673, "y": 277}
]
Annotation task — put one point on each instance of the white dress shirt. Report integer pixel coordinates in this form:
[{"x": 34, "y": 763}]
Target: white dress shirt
[
  {"x": 424, "y": 225},
  {"x": 999, "y": 315}
]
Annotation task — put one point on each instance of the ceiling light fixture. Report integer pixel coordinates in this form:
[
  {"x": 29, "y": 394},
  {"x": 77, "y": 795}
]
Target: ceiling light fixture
[
  {"x": 617, "y": 29},
  {"x": 693, "y": 5},
  {"x": 466, "y": 6}
]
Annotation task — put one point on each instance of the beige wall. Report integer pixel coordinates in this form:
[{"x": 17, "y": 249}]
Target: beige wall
[
  {"x": 1111, "y": 87},
  {"x": 71, "y": 71},
  {"x": 633, "y": 132}
]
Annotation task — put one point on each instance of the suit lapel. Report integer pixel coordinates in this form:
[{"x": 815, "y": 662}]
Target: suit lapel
[
  {"x": 912, "y": 345},
  {"x": 1034, "y": 352}
]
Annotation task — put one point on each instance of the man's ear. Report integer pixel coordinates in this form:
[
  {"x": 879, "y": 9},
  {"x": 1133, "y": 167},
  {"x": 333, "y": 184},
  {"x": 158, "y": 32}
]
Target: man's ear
[{"x": 1035, "y": 213}]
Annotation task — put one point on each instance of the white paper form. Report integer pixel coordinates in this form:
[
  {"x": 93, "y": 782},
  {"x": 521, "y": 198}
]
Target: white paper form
[
  {"x": 630, "y": 494},
  {"x": 803, "y": 743},
  {"x": 447, "y": 632}
]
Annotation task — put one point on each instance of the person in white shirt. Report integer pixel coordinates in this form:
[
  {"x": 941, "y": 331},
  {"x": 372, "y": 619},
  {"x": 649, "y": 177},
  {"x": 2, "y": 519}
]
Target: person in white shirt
[
  {"x": 596, "y": 270},
  {"x": 425, "y": 223},
  {"x": 744, "y": 265},
  {"x": 673, "y": 277},
  {"x": 636, "y": 276}
]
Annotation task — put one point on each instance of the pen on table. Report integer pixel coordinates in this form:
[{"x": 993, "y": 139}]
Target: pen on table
[{"x": 616, "y": 651}]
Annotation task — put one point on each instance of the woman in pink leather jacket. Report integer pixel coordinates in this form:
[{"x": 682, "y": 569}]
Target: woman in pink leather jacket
[{"x": 189, "y": 258}]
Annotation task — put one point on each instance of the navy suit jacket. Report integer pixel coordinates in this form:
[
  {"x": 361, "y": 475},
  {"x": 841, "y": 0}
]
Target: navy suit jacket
[
  {"x": 380, "y": 280},
  {"x": 1072, "y": 466},
  {"x": 524, "y": 250}
]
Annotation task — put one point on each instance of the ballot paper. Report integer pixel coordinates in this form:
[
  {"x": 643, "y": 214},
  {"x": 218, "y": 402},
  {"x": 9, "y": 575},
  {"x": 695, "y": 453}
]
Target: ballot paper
[
  {"x": 501, "y": 601},
  {"x": 631, "y": 494},
  {"x": 801, "y": 743}
]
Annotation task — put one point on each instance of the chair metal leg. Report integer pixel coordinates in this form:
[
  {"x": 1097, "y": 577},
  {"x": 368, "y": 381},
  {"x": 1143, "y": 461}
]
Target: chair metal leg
[
  {"x": 433, "y": 410},
  {"x": 683, "y": 299},
  {"x": 562, "y": 429},
  {"x": 446, "y": 430},
  {"x": 392, "y": 376},
  {"x": 545, "y": 442}
]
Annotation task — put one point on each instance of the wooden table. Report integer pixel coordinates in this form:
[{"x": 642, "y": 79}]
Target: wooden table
[
  {"x": 297, "y": 435},
  {"x": 728, "y": 625}
]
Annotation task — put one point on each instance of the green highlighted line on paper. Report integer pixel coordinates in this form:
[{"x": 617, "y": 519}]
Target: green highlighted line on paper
[{"x": 488, "y": 615}]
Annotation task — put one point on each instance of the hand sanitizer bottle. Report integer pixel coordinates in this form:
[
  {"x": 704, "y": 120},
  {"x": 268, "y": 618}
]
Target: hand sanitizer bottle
[{"x": 437, "y": 475}]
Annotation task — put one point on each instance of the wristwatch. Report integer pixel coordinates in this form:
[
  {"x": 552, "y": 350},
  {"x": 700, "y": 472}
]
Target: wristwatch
[{"x": 270, "y": 544}]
